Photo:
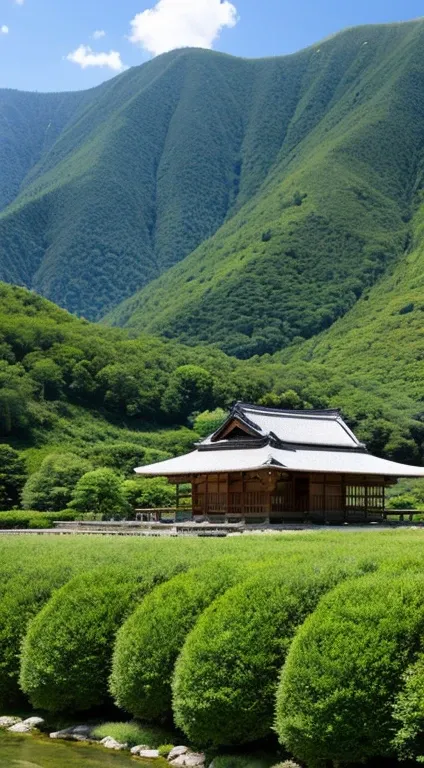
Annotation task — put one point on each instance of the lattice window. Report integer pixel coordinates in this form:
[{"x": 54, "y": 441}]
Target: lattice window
[{"x": 364, "y": 497}]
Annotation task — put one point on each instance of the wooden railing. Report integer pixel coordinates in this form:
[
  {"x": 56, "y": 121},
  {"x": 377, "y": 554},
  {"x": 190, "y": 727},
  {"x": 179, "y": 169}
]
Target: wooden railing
[{"x": 261, "y": 504}]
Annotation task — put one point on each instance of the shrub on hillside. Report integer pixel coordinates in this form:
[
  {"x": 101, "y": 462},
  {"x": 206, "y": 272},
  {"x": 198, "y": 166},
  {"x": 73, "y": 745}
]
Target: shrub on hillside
[
  {"x": 67, "y": 651},
  {"x": 149, "y": 642},
  {"x": 189, "y": 389},
  {"x": 100, "y": 492},
  {"x": 125, "y": 457},
  {"x": 344, "y": 669},
  {"x": 208, "y": 422},
  {"x": 226, "y": 676},
  {"x": 51, "y": 487},
  {"x": 12, "y": 477}
]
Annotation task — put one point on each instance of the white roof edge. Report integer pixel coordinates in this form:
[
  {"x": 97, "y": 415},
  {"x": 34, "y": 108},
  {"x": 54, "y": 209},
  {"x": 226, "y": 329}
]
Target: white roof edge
[
  {"x": 316, "y": 462},
  {"x": 148, "y": 470}
]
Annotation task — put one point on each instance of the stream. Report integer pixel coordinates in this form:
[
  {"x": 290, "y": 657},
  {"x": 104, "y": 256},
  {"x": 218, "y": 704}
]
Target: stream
[{"x": 17, "y": 751}]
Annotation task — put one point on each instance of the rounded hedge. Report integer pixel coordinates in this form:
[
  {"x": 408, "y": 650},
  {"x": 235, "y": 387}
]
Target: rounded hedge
[
  {"x": 408, "y": 712},
  {"x": 24, "y": 596},
  {"x": 31, "y": 568},
  {"x": 344, "y": 669},
  {"x": 150, "y": 640},
  {"x": 226, "y": 676},
  {"x": 67, "y": 651}
]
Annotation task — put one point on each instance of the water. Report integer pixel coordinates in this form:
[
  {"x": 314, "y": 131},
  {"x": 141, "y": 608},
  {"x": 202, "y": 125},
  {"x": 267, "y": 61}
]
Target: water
[{"x": 18, "y": 751}]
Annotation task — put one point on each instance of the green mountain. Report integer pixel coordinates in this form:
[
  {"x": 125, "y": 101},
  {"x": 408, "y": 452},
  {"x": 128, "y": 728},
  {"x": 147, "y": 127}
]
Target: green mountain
[
  {"x": 142, "y": 170},
  {"x": 261, "y": 197},
  {"x": 335, "y": 212}
]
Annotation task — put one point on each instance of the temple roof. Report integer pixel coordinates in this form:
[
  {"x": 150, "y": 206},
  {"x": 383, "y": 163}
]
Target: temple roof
[
  {"x": 252, "y": 459},
  {"x": 255, "y": 438},
  {"x": 309, "y": 427}
]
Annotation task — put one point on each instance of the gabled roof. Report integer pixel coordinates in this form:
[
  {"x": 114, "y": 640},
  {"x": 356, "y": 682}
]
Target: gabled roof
[
  {"x": 294, "y": 441},
  {"x": 309, "y": 427}
]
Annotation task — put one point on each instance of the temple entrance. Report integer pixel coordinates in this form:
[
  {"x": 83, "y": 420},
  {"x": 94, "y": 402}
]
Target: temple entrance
[{"x": 301, "y": 494}]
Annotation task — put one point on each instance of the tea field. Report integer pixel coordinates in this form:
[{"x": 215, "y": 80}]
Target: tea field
[{"x": 315, "y": 636}]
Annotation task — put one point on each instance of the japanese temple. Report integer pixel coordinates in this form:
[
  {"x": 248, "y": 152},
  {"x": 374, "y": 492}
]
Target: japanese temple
[{"x": 277, "y": 466}]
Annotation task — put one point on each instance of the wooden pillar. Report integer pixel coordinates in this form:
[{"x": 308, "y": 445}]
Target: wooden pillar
[
  {"x": 227, "y": 494},
  {"x": 325, "y": 498},
  {"x": 344, "y": 507},
  {"x": 243, "y": 491}
]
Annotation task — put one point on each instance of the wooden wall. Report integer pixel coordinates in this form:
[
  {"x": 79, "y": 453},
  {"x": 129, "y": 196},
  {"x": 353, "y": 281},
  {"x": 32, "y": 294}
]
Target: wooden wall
[{"x": 272, "y": 493}]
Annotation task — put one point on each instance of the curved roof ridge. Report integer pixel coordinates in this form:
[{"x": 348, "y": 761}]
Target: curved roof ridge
[{"x": 304, "y": 412}]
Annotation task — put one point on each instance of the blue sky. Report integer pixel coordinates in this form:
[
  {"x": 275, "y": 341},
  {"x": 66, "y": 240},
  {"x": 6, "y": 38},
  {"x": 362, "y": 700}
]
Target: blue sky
[{"x": 51, "y": 45}]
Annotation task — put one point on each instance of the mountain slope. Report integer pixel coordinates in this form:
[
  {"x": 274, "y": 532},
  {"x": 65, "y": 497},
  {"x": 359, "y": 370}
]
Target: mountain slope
[
  {"x": 382, "y": 337},
  {"x": 255, "y": 201},
  {"x": 148, "y": 169},
  {"x": 280, "y": 188},
  {"x": 332, "y": 216}
]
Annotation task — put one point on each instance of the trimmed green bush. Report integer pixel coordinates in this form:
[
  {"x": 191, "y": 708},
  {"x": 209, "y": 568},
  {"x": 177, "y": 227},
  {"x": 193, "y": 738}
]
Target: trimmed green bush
[
  {"x": 148, "y": 644},
  {"x": 31, "y": 567},
  {"x": 408, "y": 712},
  {"x": 25, "y": 594},
  {"x": 31, "y": 519},
  {"x": 345, "y": 667},
  {"x": 227, "y": 673},
  {"x": 67, "y": 652}
]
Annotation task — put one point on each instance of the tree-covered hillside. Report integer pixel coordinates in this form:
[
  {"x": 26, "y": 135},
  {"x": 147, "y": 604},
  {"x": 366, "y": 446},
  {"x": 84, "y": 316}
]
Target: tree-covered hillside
[
  {"x": 333, "y": 215},
  {"x": 382, "y": 337},
  {"x": 283, "y": 186},
  {"x": 68, "y": 385},
  {"x": 149, "y": 167}
]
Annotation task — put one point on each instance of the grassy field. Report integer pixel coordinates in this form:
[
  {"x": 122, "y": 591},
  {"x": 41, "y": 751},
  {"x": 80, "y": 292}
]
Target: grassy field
[{"x": 209, "y": 632}]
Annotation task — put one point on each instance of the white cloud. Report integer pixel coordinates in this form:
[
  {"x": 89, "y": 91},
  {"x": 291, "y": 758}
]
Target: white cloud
[
  {"x": 86, "y": 57},
  {"x": 19, "y": 2},
  {"x": 4, "y": 30},
  {"x": 98, "y": 34},
  {"x": 180, "y": 23}
]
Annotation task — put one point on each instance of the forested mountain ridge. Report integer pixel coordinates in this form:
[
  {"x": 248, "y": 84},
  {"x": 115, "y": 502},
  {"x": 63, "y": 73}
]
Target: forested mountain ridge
[
  {"x": 280, "y": 188},
  {"x": 335, "y": 213}
]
